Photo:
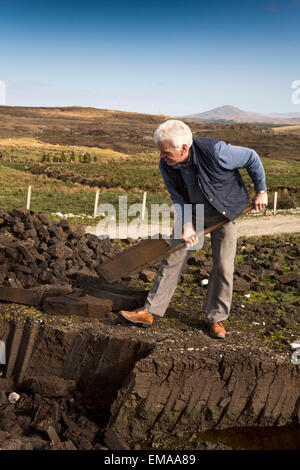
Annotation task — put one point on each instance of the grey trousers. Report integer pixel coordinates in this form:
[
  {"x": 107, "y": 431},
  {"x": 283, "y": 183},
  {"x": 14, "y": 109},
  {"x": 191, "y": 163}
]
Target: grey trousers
[{"x": 219, "y": 293}]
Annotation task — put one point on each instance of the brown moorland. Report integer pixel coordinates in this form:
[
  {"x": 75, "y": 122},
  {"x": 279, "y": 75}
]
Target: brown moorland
[{"x": 132, "y": 133}]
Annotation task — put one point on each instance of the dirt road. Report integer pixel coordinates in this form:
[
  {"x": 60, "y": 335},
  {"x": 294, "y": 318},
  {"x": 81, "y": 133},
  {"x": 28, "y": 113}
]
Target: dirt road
[
  {"x": 269, "y": 225},
  {"x": 262, "y": 225}
]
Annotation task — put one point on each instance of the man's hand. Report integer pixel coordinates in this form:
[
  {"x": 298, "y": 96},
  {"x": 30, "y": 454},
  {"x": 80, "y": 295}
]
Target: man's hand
[
  {"x": 189, "y": 234},
  {"x": 260, "y": 201}
]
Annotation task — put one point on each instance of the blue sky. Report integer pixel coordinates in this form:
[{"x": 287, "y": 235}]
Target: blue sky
[{"x": 171, "y": 57}]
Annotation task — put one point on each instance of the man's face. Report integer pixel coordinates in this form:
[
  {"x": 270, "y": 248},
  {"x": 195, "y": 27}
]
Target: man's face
[{"x": 171, "y": 155}]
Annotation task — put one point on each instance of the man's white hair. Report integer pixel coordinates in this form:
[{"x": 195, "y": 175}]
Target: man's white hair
[{"x": 176, "y": 132}]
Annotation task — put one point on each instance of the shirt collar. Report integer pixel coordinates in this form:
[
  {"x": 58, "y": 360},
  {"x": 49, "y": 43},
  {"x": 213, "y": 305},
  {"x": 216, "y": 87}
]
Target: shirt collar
[{"x": 186, "y": 164}]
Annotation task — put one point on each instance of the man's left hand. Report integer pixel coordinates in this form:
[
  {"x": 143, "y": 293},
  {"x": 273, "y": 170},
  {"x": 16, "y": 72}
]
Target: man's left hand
[{"x": 260, "y": 201}]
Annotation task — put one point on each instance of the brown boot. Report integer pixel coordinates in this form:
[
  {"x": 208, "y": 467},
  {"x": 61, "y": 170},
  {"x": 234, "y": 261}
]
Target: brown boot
[
  {"x": 140, "y": 316},
  {"x": 217, "y": 330}
]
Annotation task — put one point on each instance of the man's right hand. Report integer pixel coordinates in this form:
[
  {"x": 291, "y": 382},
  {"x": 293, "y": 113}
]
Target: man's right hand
[{"x": 189, "y": 234}]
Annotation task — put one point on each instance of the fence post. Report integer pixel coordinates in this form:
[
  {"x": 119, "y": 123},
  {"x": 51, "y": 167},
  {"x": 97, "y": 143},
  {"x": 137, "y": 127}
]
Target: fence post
[
  {"x": 28, "y": 197},
  {"x": 275, "y": 202},
  {"x": 96, "y": 203},
  {"x": 144, "y": 205}
]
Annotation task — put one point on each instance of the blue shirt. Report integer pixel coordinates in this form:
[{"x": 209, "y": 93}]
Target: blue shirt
[{"x": 229, "y": 157}]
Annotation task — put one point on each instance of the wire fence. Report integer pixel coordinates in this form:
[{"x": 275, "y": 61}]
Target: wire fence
[
  {"x": 80, "y": 203},
  {"x": 87, "y": 203}
]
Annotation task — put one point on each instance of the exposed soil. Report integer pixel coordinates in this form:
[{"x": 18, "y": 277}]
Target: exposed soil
[
  {"x": 154, "y": 388},
  {"x": 99, "y": 383}
]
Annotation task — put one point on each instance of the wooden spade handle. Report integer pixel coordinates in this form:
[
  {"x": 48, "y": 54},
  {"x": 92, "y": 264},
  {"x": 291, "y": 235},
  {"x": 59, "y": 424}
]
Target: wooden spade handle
[{"x": 210, "y": 229}]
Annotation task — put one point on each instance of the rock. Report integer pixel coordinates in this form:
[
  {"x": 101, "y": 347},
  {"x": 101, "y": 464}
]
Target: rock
[
  {"x": 13, "y": 397},
  {"x": 49, "y": 386},
  {"x": 295, "y": 344},
  {"x": 295, "y": 358}
]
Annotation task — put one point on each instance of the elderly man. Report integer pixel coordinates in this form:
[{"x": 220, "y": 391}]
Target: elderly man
[{"x": 202, "y": 171}]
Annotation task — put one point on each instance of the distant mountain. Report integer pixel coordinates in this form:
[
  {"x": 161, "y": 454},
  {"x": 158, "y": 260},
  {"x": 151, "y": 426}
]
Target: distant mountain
[{"x": 233, "y": 114}]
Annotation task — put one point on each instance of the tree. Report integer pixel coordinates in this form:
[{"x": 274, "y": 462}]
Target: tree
[
  {"x": 63, "y": 157},
  {"x": 86, "y": 158}
]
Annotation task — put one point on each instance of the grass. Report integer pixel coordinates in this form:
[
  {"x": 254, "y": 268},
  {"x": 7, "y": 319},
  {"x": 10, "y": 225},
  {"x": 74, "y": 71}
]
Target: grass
[
  {"x": 239, "y": 259},
  {"x": 287, "y": 130},
  {"x": 30, "y": 149},
  {"x": 70, "y": 187},
  {"x": 47, "y": 195},
  {"x": 281, "y": 177}
]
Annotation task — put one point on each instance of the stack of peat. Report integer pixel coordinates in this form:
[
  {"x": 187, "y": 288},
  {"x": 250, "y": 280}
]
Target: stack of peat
[{"x": 56, "y": 265}]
